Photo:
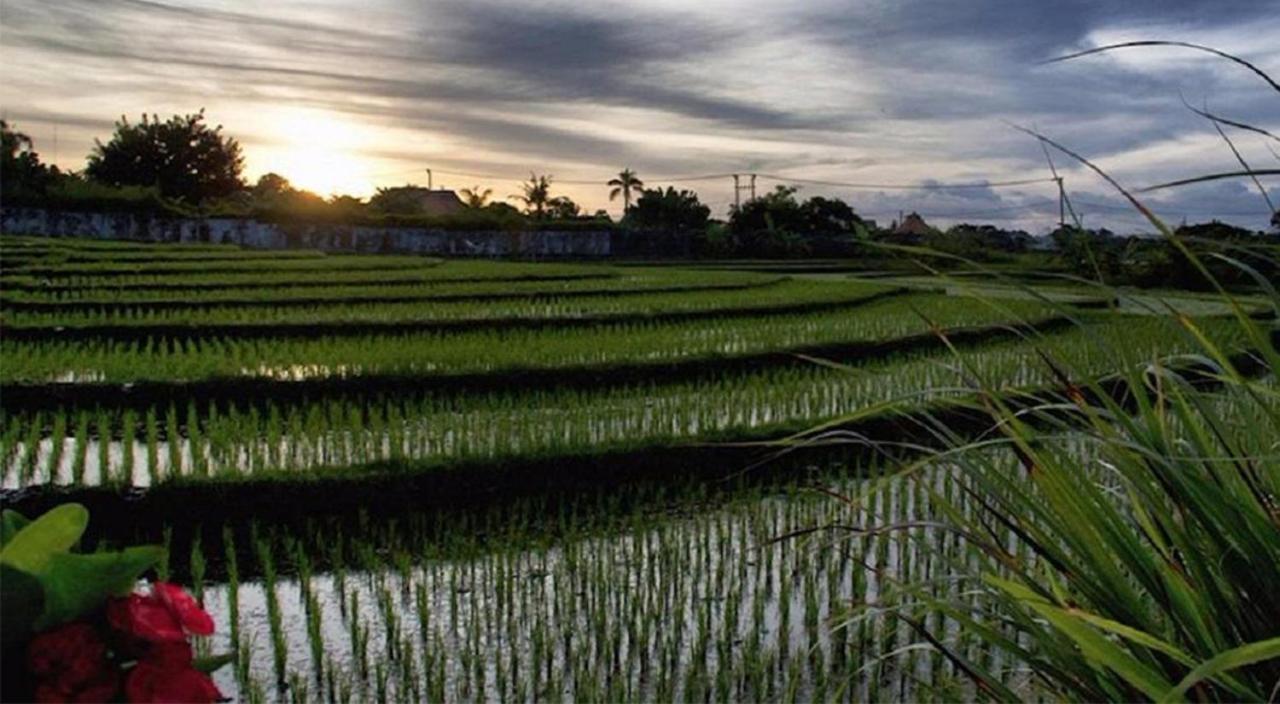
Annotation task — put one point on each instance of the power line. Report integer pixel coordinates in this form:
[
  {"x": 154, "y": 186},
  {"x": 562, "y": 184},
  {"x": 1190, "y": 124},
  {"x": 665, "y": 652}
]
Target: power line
[
  {"x": 907, "y": 186},
  {"x": 568, "y": 181},
  {"x": 771, "y": 177}
]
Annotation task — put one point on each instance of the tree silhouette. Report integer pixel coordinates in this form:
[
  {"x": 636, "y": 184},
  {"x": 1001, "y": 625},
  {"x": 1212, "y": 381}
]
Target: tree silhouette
[
  {"x": 535, "y": 194},
  {"x": 21, "y": 172},
  {"x": 183, "y": 157},
  {"x": 271, "y": 186},
  {"x": 474, "y": 197},
  {"x": 563, "y": 208},
  {"x": 623, "y": 185},
  {"x": 399, "y": 200},
  {"x": 669, "y": 211}
]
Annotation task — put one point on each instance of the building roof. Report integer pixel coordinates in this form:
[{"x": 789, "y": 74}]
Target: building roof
[
  {"x": 441, "y": 202},
  {"x": 912, "y": 224}
]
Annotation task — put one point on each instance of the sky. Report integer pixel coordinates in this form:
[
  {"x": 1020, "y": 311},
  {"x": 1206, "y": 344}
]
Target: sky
[{"x": 343, "y": 96}]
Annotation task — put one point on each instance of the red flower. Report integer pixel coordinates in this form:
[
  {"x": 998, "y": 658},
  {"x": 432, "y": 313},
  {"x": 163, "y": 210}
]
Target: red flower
[
  {"x": 144, "y": 617},
  {"x": 166, "y": 615},
  {"x": 183, "y": 606},
  {"x": 151, "y": 681},
  {"x": 70, "y": 665},
  {"x": 170, "y": 655},
  {"x": 103, "y": 689}
]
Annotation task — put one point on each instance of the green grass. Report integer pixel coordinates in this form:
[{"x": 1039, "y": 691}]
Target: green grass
[
  {"x": 1114, "y": 548},
  {"x": 134, "y": 302},
  {"x": 492, "y": 351},
  {"x": 629, "y": 298},
  {"x": 430, "y": 431}
]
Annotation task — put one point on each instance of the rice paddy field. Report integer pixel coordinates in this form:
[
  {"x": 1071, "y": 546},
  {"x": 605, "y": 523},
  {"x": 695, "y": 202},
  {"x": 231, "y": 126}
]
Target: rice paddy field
[{"x": 415, "y": 479}]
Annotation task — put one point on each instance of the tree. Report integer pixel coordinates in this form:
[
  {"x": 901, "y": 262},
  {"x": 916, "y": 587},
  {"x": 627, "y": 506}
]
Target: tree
[
  {"x": 474, "y": 197},
  {"x": 535, "y": 194},
  {"x": 185, "y": 158},
  {"x": 271, "y": 186},
  {"x": 668, "y": 211},
  {"x": 1215, "y": 231},
  {"x": 776, "y": 224},
  {"x": 776, "y": 211},
  {"x": 623, "y": 185},
  {"x": 503, "y": 210},
  {"x": 399, "y": 200},
  {"x": 829, "y": 216},
  {"x": 346, "y": 206},
  {"x": 273, "y": 192},
  {"x": 562, "y": 208},
  {"x": 21, "y": 172}
]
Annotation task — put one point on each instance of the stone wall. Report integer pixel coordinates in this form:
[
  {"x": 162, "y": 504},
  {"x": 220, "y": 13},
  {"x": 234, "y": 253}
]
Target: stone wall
[{"x": 334, "y": 237}]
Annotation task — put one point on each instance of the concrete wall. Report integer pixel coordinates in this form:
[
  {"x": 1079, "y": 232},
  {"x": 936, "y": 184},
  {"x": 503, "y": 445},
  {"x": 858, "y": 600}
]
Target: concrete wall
[{"x": 328, "y": 237}]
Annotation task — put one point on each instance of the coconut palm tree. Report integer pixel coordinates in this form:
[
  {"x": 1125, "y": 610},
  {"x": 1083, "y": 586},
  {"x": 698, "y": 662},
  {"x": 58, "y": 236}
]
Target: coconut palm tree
[
  {"x": 624, "y": 184},
  {"x": 475, "y": 197},
  {"x": 535, "y": 193}
]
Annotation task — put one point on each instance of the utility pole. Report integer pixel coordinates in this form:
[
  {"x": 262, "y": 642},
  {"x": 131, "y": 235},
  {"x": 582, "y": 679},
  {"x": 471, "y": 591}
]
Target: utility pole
[
  {"x": 430, "y": 185},
  {"x": 738, "y": 188},
  {"x": 1062, "y": 203}
]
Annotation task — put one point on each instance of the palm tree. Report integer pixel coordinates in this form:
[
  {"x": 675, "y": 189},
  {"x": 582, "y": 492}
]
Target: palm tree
[
  {"x": 475, "y": 197},
  {"x": 624, "y": 184},
  {"x": 535, "y": 194}
]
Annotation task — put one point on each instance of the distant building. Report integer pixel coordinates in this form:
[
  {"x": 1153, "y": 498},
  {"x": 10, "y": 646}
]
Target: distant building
[
  {"x": 911, "y": 229},
  {"x": 912, "y": 224},
  {"x": 441, "y": 202},
  {"x": 416, "y": 200}
]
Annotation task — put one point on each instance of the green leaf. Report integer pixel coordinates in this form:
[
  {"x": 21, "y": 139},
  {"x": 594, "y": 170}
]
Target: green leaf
[
  {"x": 212, "y": 663},
  {"x": 21, "y": 601},
  {"x": 1227, "y": 660},
  {"x": 10, "y": 523},
  {"x": 55, "y": 532},
  {"x": 77, "y": 584},
  {"x": 1101, "y": 652}
]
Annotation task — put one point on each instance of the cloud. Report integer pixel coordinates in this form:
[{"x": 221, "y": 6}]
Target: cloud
[{"x": 892, "y": 92}]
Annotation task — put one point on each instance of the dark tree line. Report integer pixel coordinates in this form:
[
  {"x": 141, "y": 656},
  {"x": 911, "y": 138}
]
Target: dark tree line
[
  {"x": 1157, "y": 262},
  {"x": 184, "y": 162}
]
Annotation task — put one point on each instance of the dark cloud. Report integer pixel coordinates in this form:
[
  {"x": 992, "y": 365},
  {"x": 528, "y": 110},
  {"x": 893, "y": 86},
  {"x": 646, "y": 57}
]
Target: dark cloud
[{"x": 929, "y": 85}]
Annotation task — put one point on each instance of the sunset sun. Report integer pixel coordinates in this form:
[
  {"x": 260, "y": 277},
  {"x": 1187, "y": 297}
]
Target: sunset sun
[
  {"x": 639, "y": 352},
  {"x": 317, "y": 152}
]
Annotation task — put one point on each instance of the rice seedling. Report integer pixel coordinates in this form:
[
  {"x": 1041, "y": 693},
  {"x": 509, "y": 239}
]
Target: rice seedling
[
  {"x": 676, "y": 591},
  {"x": 493, "y": 351},
  {"x": 506, "y": 305}
]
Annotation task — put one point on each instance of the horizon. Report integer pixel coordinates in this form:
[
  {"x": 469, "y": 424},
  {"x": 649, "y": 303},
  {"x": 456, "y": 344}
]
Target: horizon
[{"x": 485, "y": 93}]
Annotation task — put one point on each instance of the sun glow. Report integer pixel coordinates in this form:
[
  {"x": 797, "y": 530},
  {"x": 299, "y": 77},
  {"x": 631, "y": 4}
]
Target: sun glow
[{"x": 317, "y": 151}]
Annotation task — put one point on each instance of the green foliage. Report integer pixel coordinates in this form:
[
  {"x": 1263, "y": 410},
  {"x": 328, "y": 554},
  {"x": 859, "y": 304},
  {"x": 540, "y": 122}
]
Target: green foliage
[
  {"x": 668, "y": 211},
  {"x": 562, "y": 208},
  {"x": 23, "y": 173},
  {"x": 400, "y": 200},
  {"x": 536, "y": 195},
  {"x": 45, "y": 583},
  {"x": 475, "y": 196},
  {"x": 10, "y": 524},
  {"x": 778, "y": 225},
  {"x": 1158, "y": 262},
  {"x": 21, "y": 603},
  {"x": 76, "y": 584},
  {"x": 184, "y": 158},
  {"x": 983, "y": 243},
  {"x": 80, "y": 194},
  {"x": 34, "y": 546},
  {"x": 623, "y": 185}
]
